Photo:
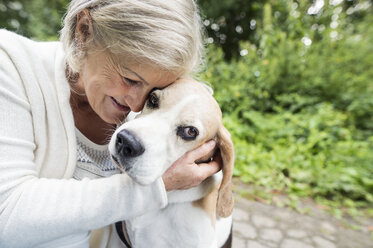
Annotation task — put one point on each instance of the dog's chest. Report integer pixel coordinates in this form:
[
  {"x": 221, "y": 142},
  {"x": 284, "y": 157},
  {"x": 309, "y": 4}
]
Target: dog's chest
[{"x": 177, "y": 225}]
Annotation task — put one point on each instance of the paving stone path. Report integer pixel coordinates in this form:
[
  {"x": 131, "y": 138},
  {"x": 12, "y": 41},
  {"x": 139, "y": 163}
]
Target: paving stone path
[{"x": 257, "y": 225}]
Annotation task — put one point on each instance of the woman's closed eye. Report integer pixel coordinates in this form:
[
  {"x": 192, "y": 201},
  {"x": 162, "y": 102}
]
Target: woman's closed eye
[{"x": 131, "y": 81}]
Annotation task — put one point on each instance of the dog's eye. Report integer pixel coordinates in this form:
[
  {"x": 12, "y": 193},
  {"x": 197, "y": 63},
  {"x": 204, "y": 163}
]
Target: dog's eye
[
  {"x": 187, "y": 133},
  {"x": 153, "y": 101}
]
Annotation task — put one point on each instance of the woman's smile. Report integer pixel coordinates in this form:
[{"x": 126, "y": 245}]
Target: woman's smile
[{"x": 119, "y": 106}]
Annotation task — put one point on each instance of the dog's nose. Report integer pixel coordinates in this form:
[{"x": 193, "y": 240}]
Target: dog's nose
[{"x": 127, "y": 145}]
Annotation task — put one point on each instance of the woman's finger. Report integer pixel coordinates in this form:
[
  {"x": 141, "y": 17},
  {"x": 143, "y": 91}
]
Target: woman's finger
[
  {"x": 201, "y": 151},
  {"x": 208, "y": 169}
]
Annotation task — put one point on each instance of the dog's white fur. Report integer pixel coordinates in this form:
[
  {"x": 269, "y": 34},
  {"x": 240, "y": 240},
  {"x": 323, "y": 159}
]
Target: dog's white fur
[{"x": 190, "y": 219}]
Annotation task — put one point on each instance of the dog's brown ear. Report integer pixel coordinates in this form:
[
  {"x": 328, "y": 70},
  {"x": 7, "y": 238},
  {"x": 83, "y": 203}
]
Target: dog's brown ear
[{"x": 225, "y": 197}]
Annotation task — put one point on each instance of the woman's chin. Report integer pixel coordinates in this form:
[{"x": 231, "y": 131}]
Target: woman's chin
[{"x": 114, "y": 118}]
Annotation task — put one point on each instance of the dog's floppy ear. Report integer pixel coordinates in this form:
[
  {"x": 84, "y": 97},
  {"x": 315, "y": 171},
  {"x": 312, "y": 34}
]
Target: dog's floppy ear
[{"x": 225, "y": 197}]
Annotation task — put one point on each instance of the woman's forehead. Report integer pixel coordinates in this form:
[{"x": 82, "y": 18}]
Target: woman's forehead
[
  {"x": 149, "y": 74},
  {"x": 142, "y": 70}
]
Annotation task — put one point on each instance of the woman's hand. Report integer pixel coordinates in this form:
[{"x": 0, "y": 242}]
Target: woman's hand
[{"x": 185, "y": 173}]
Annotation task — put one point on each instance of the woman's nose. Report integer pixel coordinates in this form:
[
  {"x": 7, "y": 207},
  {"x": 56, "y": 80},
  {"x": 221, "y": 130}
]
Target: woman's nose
[
  {"x": 136, "y": 103},
  {"x": 136, "y": 107}
]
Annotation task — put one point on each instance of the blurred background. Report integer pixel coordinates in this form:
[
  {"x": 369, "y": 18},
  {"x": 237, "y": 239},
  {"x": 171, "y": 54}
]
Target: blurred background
[{"x": 294, "y": 80}]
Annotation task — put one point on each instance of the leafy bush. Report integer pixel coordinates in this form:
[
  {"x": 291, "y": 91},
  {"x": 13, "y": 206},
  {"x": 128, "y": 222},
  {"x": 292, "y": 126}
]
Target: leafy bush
[
  {"x": 301, "y": 114},
  {"x": 37, "y": 19}
]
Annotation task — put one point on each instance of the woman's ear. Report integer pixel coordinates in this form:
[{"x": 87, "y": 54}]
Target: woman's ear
[
  {"x": 225, "y": 197},
  {"x": 83, "y": 29}
]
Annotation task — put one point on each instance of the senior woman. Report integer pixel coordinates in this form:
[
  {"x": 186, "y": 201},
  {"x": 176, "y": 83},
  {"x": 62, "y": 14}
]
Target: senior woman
[{"x": 59, "y": 103}]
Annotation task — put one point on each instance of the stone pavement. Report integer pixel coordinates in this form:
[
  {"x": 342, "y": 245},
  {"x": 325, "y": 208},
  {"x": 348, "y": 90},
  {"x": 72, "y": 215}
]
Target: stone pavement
[{"x": 258, "y": 225}]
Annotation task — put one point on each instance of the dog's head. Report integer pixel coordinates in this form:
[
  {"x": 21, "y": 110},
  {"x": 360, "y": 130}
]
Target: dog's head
[{"x": 174, "y": 121}]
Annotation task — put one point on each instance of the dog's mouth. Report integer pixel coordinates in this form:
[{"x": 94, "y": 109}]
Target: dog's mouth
[
  {"x": 127, "y": 168},
  {"x": 118, "y": 164}
]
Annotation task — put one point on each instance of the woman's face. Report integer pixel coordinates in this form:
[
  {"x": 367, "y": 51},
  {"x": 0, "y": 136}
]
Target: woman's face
[{"x": 113, "y": 89}]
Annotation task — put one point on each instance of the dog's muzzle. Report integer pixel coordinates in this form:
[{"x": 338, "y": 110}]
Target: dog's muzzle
[{"x": 127, "y": 147}]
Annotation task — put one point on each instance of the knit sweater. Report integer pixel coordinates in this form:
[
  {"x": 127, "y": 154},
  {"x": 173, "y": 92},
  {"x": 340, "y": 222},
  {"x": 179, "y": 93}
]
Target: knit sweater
[{"x": 39, "y": 201}]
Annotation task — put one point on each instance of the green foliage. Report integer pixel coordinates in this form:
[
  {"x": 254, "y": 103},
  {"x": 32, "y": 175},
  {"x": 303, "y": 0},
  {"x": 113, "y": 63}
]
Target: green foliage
[
  {"x": 311, "y": 153},
  {"x": 229, "y": 22},
  {"x": 45, "y": 23},
  {"x": 299, "y": 107},
  {"x": 39, "y": 19},
  {"x": 13, "y": 16}
]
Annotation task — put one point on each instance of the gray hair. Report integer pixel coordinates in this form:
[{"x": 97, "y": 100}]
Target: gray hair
[{"x": 164, "y": 33}]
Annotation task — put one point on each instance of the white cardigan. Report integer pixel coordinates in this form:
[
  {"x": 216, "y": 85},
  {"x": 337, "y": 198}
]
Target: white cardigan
[{"x": 39, "y": 202}]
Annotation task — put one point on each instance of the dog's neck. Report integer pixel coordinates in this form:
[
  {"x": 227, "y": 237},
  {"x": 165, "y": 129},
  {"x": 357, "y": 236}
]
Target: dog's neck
[
  {"x": 175, "y": 197},
  {"x": 195, "y": 193}
]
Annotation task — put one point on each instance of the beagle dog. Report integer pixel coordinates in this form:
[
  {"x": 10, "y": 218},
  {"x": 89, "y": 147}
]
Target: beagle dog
[{"x": 175, "y": 120}]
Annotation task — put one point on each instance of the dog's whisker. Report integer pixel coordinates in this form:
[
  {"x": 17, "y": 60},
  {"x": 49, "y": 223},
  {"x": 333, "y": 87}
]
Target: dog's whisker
[
  {"x": 119, "y": 122},
  {"x": 117, "y": 164}
]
